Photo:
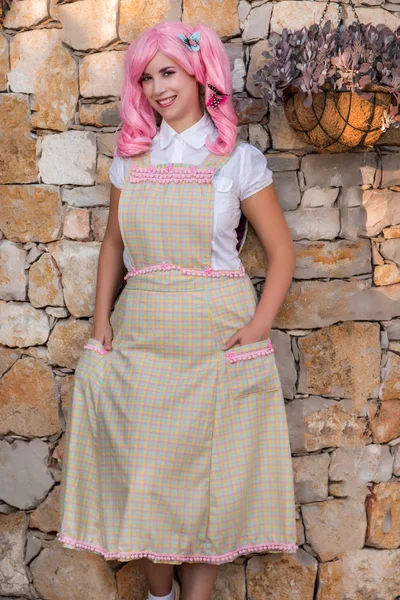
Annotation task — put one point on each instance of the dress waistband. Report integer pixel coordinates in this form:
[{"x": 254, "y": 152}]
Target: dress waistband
[{"x": 207, "y": 272}]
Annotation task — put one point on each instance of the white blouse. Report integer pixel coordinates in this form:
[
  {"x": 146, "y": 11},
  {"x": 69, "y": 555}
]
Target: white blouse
[{"x": 244, "y": 174}]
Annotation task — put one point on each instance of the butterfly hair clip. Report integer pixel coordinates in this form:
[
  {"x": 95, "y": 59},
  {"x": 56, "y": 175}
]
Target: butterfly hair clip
[
  {"x": 192, "y": 42},
  {"x": 216, "y": 98}
]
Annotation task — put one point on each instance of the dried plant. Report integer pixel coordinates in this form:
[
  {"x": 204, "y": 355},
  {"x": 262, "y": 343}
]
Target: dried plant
[{"x": 354, "y": 57}]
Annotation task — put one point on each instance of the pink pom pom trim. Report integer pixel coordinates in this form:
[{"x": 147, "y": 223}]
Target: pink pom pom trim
[
  {"x": 235, "y": 357},
  {"x": 171, "y": 174},
  {"x": 164, "y": 266},
  {"x": 95, "y": 349},
  {"x": 216, "y": 558}
]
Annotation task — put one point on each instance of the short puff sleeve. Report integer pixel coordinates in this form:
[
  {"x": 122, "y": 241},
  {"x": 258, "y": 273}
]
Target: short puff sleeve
[
  {"x": 118, "y": 171},
  {"x": 254, "y": 171}
]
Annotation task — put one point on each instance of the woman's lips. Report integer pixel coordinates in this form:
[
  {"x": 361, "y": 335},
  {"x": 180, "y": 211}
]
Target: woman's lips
[{"x": 166, "y": 102}]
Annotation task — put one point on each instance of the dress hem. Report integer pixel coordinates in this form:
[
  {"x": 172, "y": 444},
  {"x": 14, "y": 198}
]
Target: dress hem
[{"x": 215, "y": 559}]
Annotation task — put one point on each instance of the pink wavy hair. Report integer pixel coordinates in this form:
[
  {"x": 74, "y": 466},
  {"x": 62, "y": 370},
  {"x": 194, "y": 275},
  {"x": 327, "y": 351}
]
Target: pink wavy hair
[{"x": 209, "y": 65}]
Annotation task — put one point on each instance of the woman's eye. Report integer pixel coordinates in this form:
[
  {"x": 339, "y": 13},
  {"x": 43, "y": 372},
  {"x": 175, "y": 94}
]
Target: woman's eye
[
  {"x": 145, "y": 78},
  {"x": 169, "y": 72}
]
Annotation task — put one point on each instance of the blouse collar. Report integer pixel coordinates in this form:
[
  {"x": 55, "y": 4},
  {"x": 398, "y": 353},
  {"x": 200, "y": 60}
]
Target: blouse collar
[{"x": 195, "y": 136}]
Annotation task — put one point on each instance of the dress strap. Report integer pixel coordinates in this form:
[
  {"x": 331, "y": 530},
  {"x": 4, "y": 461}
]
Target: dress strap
[{"x": 216, "y": 161}]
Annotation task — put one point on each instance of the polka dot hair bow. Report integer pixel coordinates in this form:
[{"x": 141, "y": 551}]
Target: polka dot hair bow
[
  {"x": 216, "y": 98},
  {"x": 192, "y": 42}
]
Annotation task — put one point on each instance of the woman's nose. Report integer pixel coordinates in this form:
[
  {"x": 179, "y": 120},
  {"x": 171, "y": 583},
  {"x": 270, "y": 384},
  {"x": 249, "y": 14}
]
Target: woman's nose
[{"x": 159, "y": 86}]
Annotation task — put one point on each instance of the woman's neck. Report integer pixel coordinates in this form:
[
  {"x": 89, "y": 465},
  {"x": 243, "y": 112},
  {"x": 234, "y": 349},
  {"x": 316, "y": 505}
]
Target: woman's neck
[{"x": 180, "y": 125}]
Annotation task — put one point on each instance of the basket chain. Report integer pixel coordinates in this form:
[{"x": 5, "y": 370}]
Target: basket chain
[{"x": 340, "y": 16}]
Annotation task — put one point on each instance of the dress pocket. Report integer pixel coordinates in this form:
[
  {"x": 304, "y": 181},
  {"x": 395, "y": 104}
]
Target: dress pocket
[
  {"x": 95, "y": 346},
  {"x": 252, "y": 369}
]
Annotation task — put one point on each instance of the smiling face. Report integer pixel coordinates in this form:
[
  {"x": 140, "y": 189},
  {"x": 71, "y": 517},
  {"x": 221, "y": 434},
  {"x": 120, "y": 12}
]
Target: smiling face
[{"x": 172, "y": 92}]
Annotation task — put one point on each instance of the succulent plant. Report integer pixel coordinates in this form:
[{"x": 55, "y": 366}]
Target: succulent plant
[{"x": 354, "y": 57}]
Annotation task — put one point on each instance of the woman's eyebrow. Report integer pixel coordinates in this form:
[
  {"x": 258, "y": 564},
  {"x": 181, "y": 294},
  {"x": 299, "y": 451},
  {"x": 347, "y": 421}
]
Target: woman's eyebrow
[{"x": 160, "y": 71}]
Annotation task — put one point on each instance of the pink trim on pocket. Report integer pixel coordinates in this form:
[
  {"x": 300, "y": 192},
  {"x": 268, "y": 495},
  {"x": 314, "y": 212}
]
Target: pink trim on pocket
[
  {"x": 234, "y": 357},
  {"x": 95, "y": 349}
]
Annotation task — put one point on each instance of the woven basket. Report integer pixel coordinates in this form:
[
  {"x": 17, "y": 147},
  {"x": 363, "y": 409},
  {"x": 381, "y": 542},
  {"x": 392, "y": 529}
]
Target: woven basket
[{"x": 337, "y": 121}]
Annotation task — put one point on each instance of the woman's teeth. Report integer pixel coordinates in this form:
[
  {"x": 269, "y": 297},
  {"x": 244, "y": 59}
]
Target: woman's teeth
[{"x": 167, "y": 101}]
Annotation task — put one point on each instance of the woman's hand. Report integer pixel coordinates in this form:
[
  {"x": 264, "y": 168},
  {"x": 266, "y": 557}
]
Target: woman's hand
[
  {"x": 103, "y": 333},
  {"x": 247, "y": 335}
]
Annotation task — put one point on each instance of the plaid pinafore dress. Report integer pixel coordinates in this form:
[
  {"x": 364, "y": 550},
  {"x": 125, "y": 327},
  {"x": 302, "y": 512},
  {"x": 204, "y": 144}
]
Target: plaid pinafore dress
[{"x": 175, "y": 449}]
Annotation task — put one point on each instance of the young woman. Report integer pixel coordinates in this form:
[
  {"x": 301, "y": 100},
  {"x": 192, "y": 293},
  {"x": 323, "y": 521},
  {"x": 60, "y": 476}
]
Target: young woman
[{"x": 177, "y": 445}]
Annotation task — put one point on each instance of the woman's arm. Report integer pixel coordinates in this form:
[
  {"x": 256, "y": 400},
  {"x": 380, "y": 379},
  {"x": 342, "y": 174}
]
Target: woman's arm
[
  {"x": 265, "y": 214},
  {"x": 110, "y": 273}
]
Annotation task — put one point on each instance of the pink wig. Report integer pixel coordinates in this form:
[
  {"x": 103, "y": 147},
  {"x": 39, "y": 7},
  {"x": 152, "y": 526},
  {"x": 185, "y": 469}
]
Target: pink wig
[{"x": 209, "y": 65}]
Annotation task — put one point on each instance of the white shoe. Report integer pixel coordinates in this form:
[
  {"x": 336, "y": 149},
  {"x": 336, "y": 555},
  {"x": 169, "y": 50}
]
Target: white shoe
[{"x": 177, "y": 589}]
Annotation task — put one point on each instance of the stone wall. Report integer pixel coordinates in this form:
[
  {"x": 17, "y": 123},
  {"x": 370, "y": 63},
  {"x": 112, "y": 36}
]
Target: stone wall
[{"x": 337, "y": 336}]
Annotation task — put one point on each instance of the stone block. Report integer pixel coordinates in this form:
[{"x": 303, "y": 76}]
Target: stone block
[
  {"x": 77, "y": 224},
  {"x": 313, "y": 223},
  {"x": 30, "y": 213},
  {"x": 66, "y": 342},
  {"x": 22, "y": 325},
  {"x": 319, "y": 197},
  {"x": 25, "y": 479},
  {"x": 13, "y": 277},
  {"x": 26, "y": 14},
  {"x": 292, "y": 15},
  {"x": 390, "y": 249},
  {"x": 99, "y": 223},
  {"x": 285, "y": 362},
  {"x": 28, "y": 402},
  {"x": 8, "y": 357},
  {"x": 100, "y": 115},
  {"x": 103, "y": 168},
  {"x": 361, "y": 575},
  {"x": 18, "y": 155},
  {"x": 282, "y": 161},
  {"x": 146, "y": 14},
  {"x": 45, "y": 287},
  {"x": 34, "y": 73},
  {"x": 287, "y": 189},
  {"x": 249, "y": 110},
  {"x": 336, "y": 170},
  {"x": 385, "y": 421},
  {"x": 283, "y": 136},
  {"x": 390, "y": 389},
  {"x": 311, "y": 478},
  {"x": 330, "y": 367},
  {"x": 96, "y": 195},
  {"x": 222, "y": 16},
  {"x": 332, "y": 259},
  {"x": 381, "y": 209},
  {"x": 90, "y": 24},
  {"x": 13, "y": 576},
  {"x": 387, "y": 274},
  {"x": 78, "y": 265},
  {"x": 101, "y": 74},
  {"x": 360, "y": 466},
  {"x": 257, "y": 24},
  {"x": 47, "y": 515},
  {"x": 93, "y": 577},
  {"x": 383, "y": 511},
  {"x": 4, "y": 63},
  {"x": 311, "y": 304},
  {"x": 334, "y": 526},
  {"x": 131, "y": 582},
  {"x": 258, "y": 136},
  {"x": 69, "y": 157},
  {"x": 235, "y": 52},
  {"x": 316, "y": 423},
  {"x": 273, "y": 575}
]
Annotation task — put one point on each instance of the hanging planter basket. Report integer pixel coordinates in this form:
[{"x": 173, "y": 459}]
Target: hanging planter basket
[{"x": 337, "y": 121}]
